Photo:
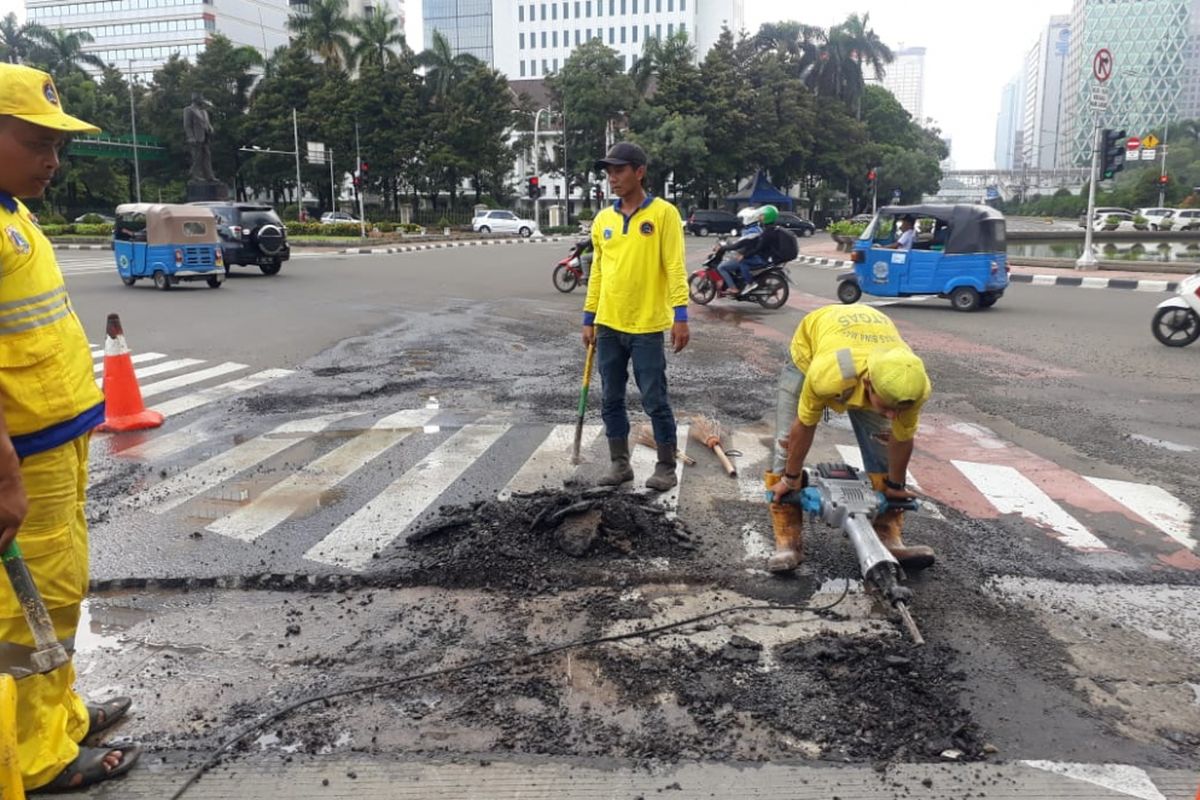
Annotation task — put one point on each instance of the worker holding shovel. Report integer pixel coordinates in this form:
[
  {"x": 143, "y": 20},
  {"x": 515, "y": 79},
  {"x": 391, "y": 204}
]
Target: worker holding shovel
[
  {"x": 637, "y": 292},
  {"x": 50, "y": 404}
]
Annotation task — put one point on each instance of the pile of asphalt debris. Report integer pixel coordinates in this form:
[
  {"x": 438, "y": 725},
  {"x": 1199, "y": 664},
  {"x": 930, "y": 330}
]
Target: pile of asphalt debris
[{"x": 545, "y": 540}]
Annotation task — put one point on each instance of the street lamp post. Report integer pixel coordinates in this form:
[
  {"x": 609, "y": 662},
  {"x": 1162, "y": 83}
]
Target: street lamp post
[
  {"x": 299, "y": 187},
  {"x": 137, "y": 169},
  {"x": 537, "y": 160}
]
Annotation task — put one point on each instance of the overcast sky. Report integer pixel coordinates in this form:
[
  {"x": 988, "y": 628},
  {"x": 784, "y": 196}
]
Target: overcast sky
[{"x": 974, "y": 48}]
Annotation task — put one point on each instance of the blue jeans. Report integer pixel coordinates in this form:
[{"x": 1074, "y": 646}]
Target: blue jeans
[
  {"x": 744, "y": 265},
  {"x": 867, "y": 425},
  {"x": 614, "y": 351}
]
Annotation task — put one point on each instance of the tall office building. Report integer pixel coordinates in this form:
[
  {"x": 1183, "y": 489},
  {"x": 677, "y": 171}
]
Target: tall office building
[
  {"x": 1009, "y": 133},
  {"x": 1045, "y": 70},
  {"x": 534, "y": 39},
  {"x": 466, "y": 24},
  {"x": 1155, "y": 47},
  {"x": 139, "y": 36},
  {"x": 905, "y": 78}
]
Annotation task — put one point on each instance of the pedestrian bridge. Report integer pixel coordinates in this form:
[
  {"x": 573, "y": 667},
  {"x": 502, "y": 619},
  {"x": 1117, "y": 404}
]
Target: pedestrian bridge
[{"x": 979, "y": 186}]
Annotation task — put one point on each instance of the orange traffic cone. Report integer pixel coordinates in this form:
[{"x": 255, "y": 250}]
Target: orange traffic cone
[{"x": 123, "y": 406}]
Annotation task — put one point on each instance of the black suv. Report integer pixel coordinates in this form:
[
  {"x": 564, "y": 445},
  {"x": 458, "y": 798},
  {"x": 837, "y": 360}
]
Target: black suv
[
  {"x": 250, "y": 233},
  {"x": 795, "y": 223},
  {"x": 704, "y": 221}
]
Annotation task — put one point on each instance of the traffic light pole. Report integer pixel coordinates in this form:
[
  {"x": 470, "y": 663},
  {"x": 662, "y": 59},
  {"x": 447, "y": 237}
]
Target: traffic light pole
[
  {"x": 1087, "y": 260},
  {"x": 362, "y": 217}
]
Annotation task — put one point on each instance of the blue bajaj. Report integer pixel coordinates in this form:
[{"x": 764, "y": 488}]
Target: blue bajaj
[
  {"x": 167, "y": 244},
  {"x": 956, "y": 252}
]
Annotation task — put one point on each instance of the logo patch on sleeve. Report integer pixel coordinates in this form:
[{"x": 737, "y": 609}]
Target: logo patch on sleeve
[
  {"x": 17, "y": 239},
  {"x": 608, "y": 233}
]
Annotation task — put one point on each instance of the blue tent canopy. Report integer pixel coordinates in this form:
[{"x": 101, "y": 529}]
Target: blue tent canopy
[{"x": 758, "y": 191}]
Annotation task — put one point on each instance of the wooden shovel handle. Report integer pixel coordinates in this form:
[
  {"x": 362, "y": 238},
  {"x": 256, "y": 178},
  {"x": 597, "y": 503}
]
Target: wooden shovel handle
[{"x": 725, "y": 462}]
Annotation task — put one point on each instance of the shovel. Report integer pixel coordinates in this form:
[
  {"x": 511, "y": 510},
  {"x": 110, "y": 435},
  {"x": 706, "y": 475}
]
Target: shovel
[
  {"x": 48, "y": 654},
  {"x": 583, "y": 397}
]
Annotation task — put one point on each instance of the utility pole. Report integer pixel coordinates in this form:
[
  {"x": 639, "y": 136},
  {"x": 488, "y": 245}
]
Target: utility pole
[
  {"x": 332, "y": 187},
  {"x": 362, "y": 217},
  {"x": 566, "y": 170},
  {"x": 1162, "y": 187},
  {"x": 137, "y": 169},
  {"x": 1087, "y": 259},
  {"x": 299, "y": 189}
]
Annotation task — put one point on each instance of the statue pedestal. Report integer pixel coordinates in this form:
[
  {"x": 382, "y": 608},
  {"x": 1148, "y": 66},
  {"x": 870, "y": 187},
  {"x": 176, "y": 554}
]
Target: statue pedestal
[{"x": 206, "y": 190}]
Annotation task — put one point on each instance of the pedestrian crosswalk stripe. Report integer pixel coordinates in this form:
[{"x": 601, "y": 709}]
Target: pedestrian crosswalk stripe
[
  {"x": 544, "y": 468},
  {"x": 168, "y": 444},
  {"x": 179, "y": 489},
  {"x": 754, "y": 454},
  {"x": 281, "y": 501},
  {"x": 158, "y": 369},
  {"x": 377, "y": 524},
  {"x": 853, "y": 456},
  {"x": 643, "y": 459},
  {"x": 1154, "y": 504},
  {"x": 1012, "y": 493},
  {"x": 138, "y": 358},
  {"x": 178, "y": 405},
  {"x": 178, "y": 382}
]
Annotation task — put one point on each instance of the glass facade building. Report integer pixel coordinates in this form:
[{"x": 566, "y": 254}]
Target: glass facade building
[
  {"x": 1154, "y": 49},
  {"x": 466, "y": 24}
]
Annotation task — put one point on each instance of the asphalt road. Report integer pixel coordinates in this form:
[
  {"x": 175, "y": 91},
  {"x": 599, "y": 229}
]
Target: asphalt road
[{"x": 257, "y": 546}]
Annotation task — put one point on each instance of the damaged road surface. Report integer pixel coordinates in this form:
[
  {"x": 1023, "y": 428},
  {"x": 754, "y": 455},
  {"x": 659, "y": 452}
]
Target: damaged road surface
[{"x": 381, "y": 577}]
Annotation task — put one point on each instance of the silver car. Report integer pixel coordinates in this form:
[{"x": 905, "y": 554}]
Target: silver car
[{"x": 502, "y": 222}]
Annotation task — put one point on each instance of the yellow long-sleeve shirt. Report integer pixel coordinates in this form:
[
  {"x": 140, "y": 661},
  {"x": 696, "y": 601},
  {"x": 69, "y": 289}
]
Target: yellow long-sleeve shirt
[
  {"x": 638, "y": 283},
  {"x": 815, "y": 347}
]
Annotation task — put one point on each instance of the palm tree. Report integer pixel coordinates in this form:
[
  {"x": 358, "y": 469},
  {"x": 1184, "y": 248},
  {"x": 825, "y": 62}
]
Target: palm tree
[
  {"x": 443, "y": 67},
  {"x": 865, "y": 49},
  {"x": 379, "y": 37},
  {"x": 62, "y": 51},
  {"x": 644, "y": 68},
  {"x": 18, "y": 42},
  {"x": 797, "y": 44},
  {"x": 325, "y": 30}
]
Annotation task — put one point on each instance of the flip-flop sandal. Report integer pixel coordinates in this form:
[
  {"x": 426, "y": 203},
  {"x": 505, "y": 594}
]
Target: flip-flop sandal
[
  {"x": 88, "y": 769},
  {"x": 102, "y": 716}
]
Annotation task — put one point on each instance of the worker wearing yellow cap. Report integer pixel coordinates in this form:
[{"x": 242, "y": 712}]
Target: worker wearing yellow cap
[
  {"x": 848, "y": 358},
  {"x": 50, "y": 405}
]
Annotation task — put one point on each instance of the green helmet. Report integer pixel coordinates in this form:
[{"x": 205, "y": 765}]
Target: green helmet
[{"x": 768, "y": 214}]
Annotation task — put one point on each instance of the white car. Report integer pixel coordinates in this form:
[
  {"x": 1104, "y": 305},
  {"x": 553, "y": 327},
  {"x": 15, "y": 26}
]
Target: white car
[
  {"x": 1155, "y": 216},
  {"x": 338, "y": 218},
  {"x": 1186, "y": 219},
  {"x": 1124, "y": 220},
  {"x": 502, "y": 222}
]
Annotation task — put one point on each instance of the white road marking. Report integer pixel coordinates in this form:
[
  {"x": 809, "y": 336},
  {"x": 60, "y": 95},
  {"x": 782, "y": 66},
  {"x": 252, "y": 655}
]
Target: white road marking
[
  {"x": 178, "y": 382},
  {"x": 1094, "y": 283},
  {"x": 278, "y": 503},
  {"x": 550, "y": 462},
  {"x": 158, "y": 369},
  {"x": 179, "y": 489},
  {"x": 1151, "y": 286},
  {"x": 1044, "y": 280},
  {"x": 754, "y": 452},
  {"x": 187, "y": 402},
  {"x": 1127, "y": 780},
  {"x": 377, "y": 524},
  {"x": 853, "y": 456},
  {"x": 1155, "y": 504},
  {"x": 1012, "y": 493},
  {"x": 138, "y": 358},
  {"x": 643, "y": 460}
]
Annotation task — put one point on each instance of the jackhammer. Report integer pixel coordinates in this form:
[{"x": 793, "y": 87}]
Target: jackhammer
[{"x": 842, "y": 497}]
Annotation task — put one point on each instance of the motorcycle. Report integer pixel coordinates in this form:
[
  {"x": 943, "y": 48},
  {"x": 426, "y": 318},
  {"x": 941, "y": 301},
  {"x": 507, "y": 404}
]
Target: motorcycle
[
  {"x": 1176, "y": 323},
  {"x": 575, "y": 268},
  {"x": 771, "y": 293}
]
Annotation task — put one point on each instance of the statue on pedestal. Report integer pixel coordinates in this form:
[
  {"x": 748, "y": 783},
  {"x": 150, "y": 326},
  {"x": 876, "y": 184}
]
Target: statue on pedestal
[{"x": 199, "y": 131}]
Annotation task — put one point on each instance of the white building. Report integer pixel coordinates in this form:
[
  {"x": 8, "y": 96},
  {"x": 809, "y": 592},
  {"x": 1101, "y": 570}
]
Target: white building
[
  {"x": 905, "y": 78},
  {"x": 1045, "y": 70},
  {"x": 1009, "y": 135},
  {"x": 139, "y": 36},
  {"x": 533, "y": 39}
]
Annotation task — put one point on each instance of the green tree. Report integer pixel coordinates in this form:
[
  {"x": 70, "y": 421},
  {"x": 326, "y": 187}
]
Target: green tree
[
  {"x": 325, "y": 29},
  {"x": 381, "y": 42},
  {"x": 674, "y": 143},
  {"x": 19, "y": 41},
  {"x": 61, "y": 51},
  {"x": 867, "y": 50},
  {"x": 443, "y": 67},
  {"x": 726, "y": 99}
]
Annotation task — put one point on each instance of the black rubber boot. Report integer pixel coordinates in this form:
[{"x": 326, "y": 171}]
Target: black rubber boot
[
  {"x": 664, "y": 471},
  {"x": 620, "y": 471}
]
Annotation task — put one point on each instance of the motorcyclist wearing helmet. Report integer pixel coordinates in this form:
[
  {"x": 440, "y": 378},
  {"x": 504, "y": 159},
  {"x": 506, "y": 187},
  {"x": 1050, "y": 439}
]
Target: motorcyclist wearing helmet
[{"x": 749, "y": 249}]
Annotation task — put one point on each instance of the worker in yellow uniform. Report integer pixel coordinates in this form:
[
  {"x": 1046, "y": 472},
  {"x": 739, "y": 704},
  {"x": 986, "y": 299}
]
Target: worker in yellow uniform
[
  {"x": 848, "y": 358},
  {"x": 636, "y": 292},
  {"x": 50, "y": 405}
]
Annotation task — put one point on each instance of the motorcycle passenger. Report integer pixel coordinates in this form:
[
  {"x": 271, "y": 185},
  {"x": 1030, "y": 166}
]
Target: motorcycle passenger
[{"x": 750, "y": 249}]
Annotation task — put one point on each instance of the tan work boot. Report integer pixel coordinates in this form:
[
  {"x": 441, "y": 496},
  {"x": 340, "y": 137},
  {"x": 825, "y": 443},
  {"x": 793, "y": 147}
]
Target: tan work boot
[
  {"x": 888, "y": 527},
  {"x": 786, "y": 521},
  {"x": 664, "y": 476},
  {"x": 620, "y": 471}
]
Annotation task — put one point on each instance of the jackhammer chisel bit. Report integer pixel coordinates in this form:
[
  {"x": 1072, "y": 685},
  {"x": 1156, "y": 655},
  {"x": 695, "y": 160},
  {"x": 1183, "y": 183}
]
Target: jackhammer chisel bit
[{"x": 842, "y": 497}]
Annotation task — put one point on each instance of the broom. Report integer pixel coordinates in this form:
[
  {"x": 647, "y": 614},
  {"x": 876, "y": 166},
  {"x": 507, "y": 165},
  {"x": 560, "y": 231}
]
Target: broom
[
  {"x": 644, "y": 434},
  {"x": 707, "y": 431}
]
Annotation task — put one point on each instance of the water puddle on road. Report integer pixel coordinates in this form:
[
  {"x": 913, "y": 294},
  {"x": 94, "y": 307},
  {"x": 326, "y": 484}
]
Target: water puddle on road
[{"x": 102, "y": 625}]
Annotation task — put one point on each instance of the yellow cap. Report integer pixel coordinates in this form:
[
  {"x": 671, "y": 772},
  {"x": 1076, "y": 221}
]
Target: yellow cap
[
  {"x": 29, "y": 94},
  {"x": 898, "y": 376}
]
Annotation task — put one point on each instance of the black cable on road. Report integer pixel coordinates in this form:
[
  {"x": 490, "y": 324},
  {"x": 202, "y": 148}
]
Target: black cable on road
[{"x": 486, "y": 662}]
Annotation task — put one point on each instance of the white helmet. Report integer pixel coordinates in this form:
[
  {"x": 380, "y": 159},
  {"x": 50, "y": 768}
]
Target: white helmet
[{"x": 748, "y": 216}]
